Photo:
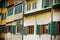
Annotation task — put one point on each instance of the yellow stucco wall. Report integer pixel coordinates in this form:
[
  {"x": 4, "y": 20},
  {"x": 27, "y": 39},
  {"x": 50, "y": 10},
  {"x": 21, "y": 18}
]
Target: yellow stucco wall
[
  {"x": 42, "y": 18},
  {"x": 3, "y": 22},
  {"x": 4, "y": 10}
]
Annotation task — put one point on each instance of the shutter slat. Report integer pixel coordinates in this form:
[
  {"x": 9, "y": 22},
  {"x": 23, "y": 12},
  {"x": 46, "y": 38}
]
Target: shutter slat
[
  {"x": 21, "y": 29},
  {"x": 5, "y": 29},
  {"x": 0, "y": 30},
  {"x": 38, "y": 30},
  {"x": 25, "y": 31},
  {"x": 13, "y": 29}
]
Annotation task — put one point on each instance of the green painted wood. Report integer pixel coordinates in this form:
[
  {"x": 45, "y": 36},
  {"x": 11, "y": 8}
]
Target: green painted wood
[
  {"x": 52, "y": 29},
  {"x": 46, "y": 3},
  {"x": 25, "y": 31},
  {"x": 18, "y": 22},
  {"x": 13, "y": 29},
  {"x": 3, "y": 16},
  {"x": 5, "y": 29},
  {"x": 38, "y": 30},
  {"x": 21, "y": 29},
  {"x": 0, "y": 30}
]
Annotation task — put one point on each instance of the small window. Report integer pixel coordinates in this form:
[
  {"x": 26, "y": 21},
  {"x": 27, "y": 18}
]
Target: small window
[
  {"x": 18, "y": 8},
  {"x": 3, "y": 16},
  {"x": 30, "y": 29},
  {"x": 10, "y": 11},
  {"x": 34, "y": 5},
  {"x": 28, "y": 7},
  {"x": 44, "y": 29}
]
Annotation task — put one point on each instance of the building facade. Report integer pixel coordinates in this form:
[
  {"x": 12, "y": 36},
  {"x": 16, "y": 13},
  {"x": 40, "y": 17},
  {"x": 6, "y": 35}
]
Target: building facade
[{"x": 41, "y": 20}]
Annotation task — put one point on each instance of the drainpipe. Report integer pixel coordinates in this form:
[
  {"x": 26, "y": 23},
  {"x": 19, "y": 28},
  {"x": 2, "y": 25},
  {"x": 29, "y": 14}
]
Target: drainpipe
[
  {"x": 52, "y": 12},
  {"x": 23, "y": 11}
]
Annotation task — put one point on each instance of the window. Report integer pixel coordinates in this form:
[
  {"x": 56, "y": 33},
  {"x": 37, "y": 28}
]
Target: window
[
  {"x": 46, "y": 3},
  {"x": 18, "y": 8},
  {"x": 34, "y": 5},
  {"x": 3, "y": 16},
  {"x": 57, "y": 1},
  {"x": 30, "y": 30},
  {"x": 10, "y": 11},
  {"x": 58, "y": 29},
  {"x": 18, "y": 29},
  {"x": 28, "y": 7},
  {"x": 43, "y": 29}
]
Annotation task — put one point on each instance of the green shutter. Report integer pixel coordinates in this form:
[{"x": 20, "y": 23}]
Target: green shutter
[
  {"x": 52, "y": 28},
  {"x": 13, "y": 29},
  {"x": 5, "y": 29},
  {"x": 3, "y": 16},
  {"x": 0, "y": 30},
  {"x": 38, "y": 29},
  {"x": 45, "y": 3},
  {"x": 25, "y": 31},
  {"x": 21, "y": 29}
]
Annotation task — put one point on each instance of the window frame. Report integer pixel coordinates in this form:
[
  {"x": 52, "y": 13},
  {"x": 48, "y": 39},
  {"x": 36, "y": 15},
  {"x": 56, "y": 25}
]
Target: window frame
[
  {"x": 43, "y": 29},
  {"x": 10, "y": 9},
  {"x": 19, "y": 6},
  {"x": 30, "y": 29}
]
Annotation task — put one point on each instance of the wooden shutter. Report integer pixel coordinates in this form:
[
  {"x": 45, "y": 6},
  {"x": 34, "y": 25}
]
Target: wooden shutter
[
  {"x": 38, "y": 29},
  {"x": 0, "y": 30},
  {"x": 25, "y": 31},
  {"x": 13, "y": 29},
  {"x": 58, "y": 27},
  {"x": 49, "y": 25},
  {"x": 5, "y": 29},
  {"x": 3, "y": 16},
  {"x": 34, "y": 5},
  {"x": 45, "y": 3},
  {"x": 57, "y": 1},
  {"x": 53, "y": 28},
  {"x": 18, "y": 22},
  {"x": 21, "y": 29}
]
